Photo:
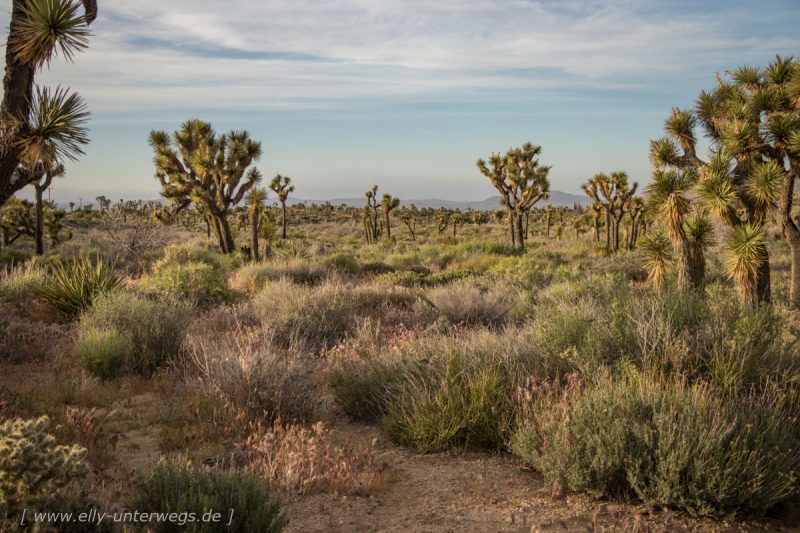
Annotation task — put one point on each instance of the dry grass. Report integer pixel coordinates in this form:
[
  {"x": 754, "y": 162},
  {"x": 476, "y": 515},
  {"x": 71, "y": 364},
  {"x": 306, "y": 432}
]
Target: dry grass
[{"x": 304, "y": 460}]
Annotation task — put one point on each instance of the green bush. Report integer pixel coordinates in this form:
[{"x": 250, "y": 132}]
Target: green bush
[
  {"x": 35, "y": 473},
  {"x": 200, "y": 282},
  {"x": 103, "y": 352},
  {"x": 253, "y": 277},
  {"x": 71, "y": 286},
  {"x": 455, "y": 401},
  {"x": 667, "y": 444},
  {"x": 171, "y": 488},
  {"x": 344, "y": 262},
  {"x": 153, "y": 330}
]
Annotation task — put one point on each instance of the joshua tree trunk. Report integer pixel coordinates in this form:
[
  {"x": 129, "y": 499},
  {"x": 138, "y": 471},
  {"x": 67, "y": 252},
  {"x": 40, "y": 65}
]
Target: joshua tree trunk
[
  {"x": 513, "y": 231},
  {"x": 388, "y": 227},
  {"x": 608, "y": 231},
  {"x": 520, "y": 235},
  {"x": 617, "y": 223},
  {"x": 254, "y": 224},
  {"x": 17, "y": 95},
  {"x": 791, "y": 233},
  {"x": 283, "y": 207},
  {"x": 596, "y": 228},
  {"x": 763, "y": 284},
  {"x": 684, "y": 261},
  {"x": 226, "y": 234},
  {"x": 39, "y": 231}
]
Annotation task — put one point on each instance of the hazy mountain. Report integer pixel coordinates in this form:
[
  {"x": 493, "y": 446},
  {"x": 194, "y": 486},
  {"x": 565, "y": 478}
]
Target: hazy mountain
[{"x": 557, "y": 198}]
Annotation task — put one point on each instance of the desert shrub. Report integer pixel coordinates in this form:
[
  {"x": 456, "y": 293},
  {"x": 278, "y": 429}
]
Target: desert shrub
[
  {"x": 200, "y": 282},
  {"x": 153, "y": 330},
  {"x": 666, "y": 444},
  {"x": 467, "y": 304},
  {"x": 404, "y": 278},
  {"x": 455, "y": 401},
  {"x": 251, "y": 278},
  {"x": 244, "y": 374},
  {"x": 10, "y": 256},
  {"x": 449, "y": 276},
  {"x": 35, "y": 473},
  {"x": 319, "y": 317},
  {"x": 172, "y": 488},
  {"x": 344, "y": 262},
  {"x": 71, "y": 286},
  {"x": 304, "y": 460},
  {"x": 363, "y": 380},
  {"x": 103, "y": 351}
]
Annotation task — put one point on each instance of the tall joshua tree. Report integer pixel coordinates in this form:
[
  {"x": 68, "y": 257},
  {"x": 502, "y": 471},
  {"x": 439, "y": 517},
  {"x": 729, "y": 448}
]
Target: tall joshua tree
[
  {"x": 195, "y": 165},
  {"x": 388, "y": 204},
  {"x": 40, "y": 123},
  {"x": 521, "y": 182},
  {"x": 668, "y": 198},
  {"x": 751, "y": 119},
  {"x": 255, "y": 208},
  {"x": 371, "y": 213},
  {"x": 282, "y": 186}
]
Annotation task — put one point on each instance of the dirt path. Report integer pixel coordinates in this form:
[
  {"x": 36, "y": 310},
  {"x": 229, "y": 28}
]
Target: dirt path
[{"x": 473, "y": 492}]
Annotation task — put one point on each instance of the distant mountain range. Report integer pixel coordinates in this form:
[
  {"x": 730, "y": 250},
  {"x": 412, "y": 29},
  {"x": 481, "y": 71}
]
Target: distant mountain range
[{"x": 557, "y": 199}]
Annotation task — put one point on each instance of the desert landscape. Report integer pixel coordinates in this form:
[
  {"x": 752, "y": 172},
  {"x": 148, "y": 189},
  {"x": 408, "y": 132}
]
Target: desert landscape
[{"x": 235, "y": 357}]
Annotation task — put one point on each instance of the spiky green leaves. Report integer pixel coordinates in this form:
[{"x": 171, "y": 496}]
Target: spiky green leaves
[
  {"x": 668, "y": 196},
  {"x": 49, "y": 27},
  {"x": 656, "y": 250},
  {"x": 747, "y": 251},
  {"x": 56, "y": 127},
  {"x": 764, "y": 185},
  {"x": 680, "y": 126},
  {"x": 664, "y": 152}
]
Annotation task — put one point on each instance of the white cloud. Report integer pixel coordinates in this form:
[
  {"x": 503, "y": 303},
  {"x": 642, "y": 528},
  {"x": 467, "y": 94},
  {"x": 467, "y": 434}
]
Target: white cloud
[{"x": 245, "y": 54}]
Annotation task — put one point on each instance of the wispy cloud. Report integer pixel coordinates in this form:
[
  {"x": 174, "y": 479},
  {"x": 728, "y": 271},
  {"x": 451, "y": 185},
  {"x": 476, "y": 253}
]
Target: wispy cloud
[{"x": 289, "y": 54}]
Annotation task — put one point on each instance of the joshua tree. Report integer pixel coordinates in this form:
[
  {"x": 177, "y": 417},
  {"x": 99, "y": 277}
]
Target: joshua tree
[
  {"x": 71, "y": 207},
  {"x": 751, "y": 120},
  {"x": 213, "y": 172},
  {"x": 701, "y": 236},
  {"x": 521, "y": 183},
  {"x": 389, "y": 203},
  {"x": 42, "y": 123},
  {"x": 613, "y": 194},
  {"x": 409, "y": 218},
  {"x": 268, "y": 232},
  {"x": 668, "y": 198},
  {"x": 371, "y": 212},
  {"x": 281, "y": 185},
  {"x": 599, "y": 190},
  {"x": 255, "y": 202},
  {"x": 636, "y": 212},
  {"x": 623, "y": 193}
]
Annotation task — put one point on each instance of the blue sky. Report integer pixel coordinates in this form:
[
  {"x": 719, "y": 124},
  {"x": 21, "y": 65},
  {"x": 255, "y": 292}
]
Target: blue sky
[{"x": 345, "y": 94}]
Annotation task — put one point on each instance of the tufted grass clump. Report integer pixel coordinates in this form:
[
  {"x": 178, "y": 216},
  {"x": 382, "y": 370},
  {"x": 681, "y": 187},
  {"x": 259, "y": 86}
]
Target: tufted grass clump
[
  {"x": 193, "y": 274},
  {"x": 125, "y": 332},
  {"x": 174, "y": 488}
]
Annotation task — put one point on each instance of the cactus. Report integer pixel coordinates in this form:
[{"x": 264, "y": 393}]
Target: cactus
[{"x": 34, "y": 471}]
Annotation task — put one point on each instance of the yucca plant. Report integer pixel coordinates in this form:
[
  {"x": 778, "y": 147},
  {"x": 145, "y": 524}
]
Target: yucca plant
[
  {"x": 657, "y": 252},
  {"x": 668, "y": 198},
  {"x": 747, "y": 249},
  {"x": 290, "y": 250},
  {"x": 72, "y": 285}
]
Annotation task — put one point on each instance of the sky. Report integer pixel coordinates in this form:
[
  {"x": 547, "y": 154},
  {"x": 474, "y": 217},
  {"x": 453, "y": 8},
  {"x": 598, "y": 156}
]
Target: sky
[{"x": 344, "y": 94}]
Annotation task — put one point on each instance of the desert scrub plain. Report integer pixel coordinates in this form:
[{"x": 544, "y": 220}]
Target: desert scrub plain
[
  {"x": 438, "y": 383},
  {"x": 630, "y": 364}
]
